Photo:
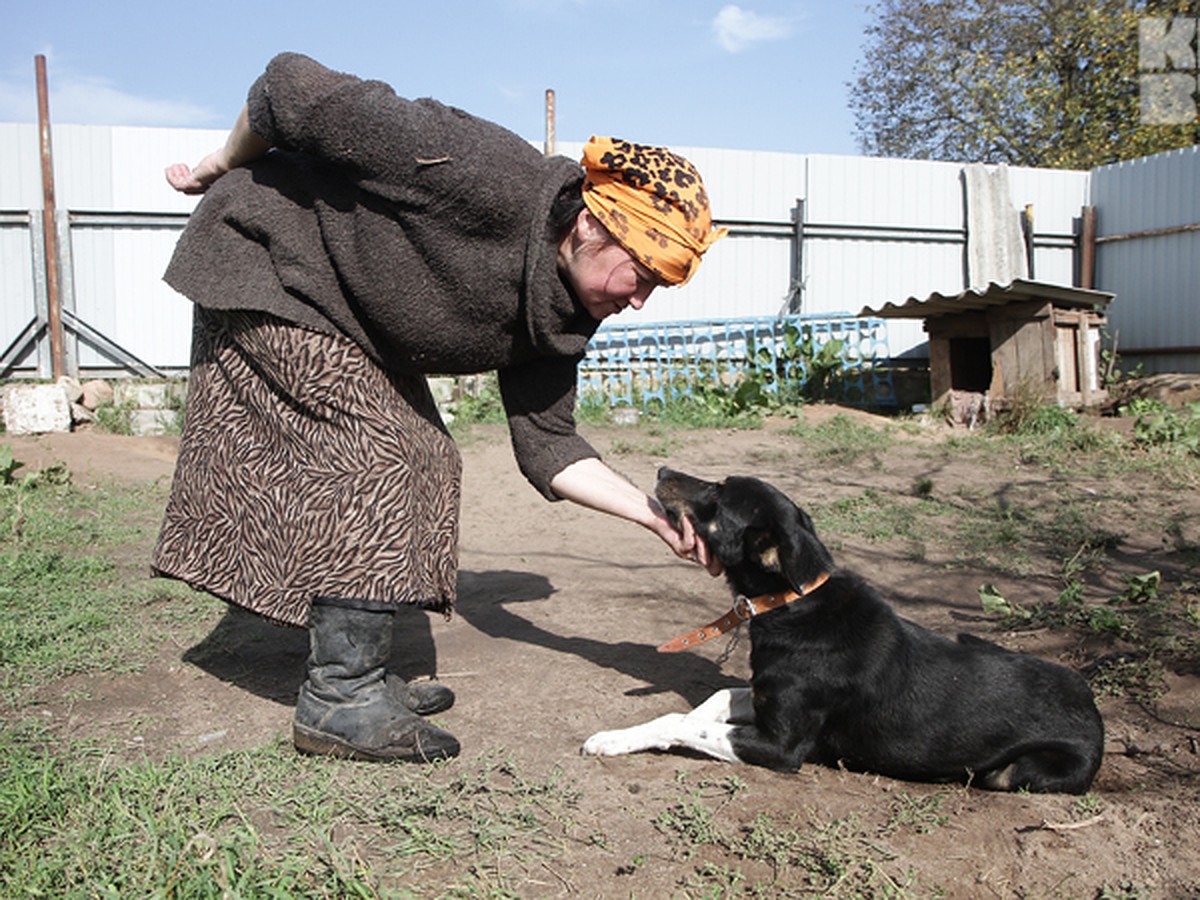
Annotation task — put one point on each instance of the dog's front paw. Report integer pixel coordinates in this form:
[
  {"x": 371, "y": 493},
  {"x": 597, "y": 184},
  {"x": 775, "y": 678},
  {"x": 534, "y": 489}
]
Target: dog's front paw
[
  {"x": 609, "y": 743},
  {"x": 656, "y": 735}
]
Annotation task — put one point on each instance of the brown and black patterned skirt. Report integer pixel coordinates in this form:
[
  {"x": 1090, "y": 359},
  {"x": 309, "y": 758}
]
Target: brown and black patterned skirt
[{"x": 307, "y": 470}]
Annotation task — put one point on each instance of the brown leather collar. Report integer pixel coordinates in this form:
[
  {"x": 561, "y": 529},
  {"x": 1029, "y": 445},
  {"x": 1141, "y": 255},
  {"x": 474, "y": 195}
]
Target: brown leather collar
[{"x": 743, "y": 608}]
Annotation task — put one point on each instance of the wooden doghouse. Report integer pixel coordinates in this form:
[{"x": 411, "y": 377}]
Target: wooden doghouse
[{"x": 1024, "y": 338}]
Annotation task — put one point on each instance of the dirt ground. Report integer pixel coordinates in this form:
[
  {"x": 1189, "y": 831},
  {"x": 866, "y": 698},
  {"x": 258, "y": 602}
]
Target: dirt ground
[{"x": 559, "y": 613}]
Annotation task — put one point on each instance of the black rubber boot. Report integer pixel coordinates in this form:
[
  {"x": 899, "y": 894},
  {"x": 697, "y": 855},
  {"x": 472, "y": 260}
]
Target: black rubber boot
[
  {"x": 346, "y": 707},
  {"x": 423, "y": 697}
]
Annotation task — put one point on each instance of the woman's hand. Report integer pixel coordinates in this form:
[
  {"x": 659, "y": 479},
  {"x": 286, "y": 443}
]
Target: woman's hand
[
  {"x": 591, "y": 483},
  {"x": 198, "y": 180},
  {"x": 685, "y": 542},
  {"x": 242, "y": 146}
]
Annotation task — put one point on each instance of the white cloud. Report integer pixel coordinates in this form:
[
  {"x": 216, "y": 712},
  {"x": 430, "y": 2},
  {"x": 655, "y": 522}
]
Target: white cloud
[
  {"x": 92, "y": 101},
  {"x": 736, "y": 28}
]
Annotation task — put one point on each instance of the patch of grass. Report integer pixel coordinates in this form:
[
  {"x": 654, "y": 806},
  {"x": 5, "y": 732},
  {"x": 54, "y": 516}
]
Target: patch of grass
[
  {"x": 918, "y": 814},
  {"x": 268, "y": 823},
  {"x": 841, "y": 439},
  {"x": 661, "y": 448},
  {"x": 1160, "y": 627},
  {"x": 66, "y": 597},
  {"x": 871, "y": 515},
  {"x": 797, "y": 858}
]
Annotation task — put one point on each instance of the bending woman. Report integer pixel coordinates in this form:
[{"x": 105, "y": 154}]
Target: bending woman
[{"x": 349, "y": 243}]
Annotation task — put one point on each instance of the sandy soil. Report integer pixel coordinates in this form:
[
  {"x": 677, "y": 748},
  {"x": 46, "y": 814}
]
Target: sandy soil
[{"x": 559, "y": 612}]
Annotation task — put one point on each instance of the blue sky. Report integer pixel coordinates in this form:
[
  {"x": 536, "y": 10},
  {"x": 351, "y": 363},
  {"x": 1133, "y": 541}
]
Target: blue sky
[{"x": 768, "y": 75}]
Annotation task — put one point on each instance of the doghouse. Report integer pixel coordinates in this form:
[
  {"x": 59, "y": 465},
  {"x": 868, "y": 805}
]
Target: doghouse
[{"x": 1025, "y": 338}]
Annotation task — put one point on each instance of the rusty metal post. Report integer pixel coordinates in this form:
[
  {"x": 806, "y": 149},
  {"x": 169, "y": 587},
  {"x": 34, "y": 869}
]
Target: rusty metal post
[
  {"x": 49, "y": 226},
  {"x": 549, "y": 146},
  {"x": 1087, "y": 248}
]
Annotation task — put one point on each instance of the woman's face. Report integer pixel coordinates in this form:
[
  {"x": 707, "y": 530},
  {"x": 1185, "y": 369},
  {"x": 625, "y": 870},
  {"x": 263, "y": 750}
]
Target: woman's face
[{"x": 606, "y": 278}]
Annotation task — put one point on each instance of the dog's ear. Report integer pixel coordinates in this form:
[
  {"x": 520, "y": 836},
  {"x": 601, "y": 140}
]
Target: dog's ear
[{"x": 802, "y": 556}]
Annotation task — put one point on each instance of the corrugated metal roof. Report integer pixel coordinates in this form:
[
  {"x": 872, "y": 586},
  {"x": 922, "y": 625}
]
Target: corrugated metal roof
[{"x": 993, "y": 295}]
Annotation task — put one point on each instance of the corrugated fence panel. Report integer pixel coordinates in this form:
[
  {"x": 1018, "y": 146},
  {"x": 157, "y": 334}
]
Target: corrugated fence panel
[
  {"x": 20, "y": 191},
  {"x": 879, "y": 229},
  {"x": 139, "y": 183},
  {"x": 20, "y": 167},
  {"x": 875, "y": 230},
  {"x": 119, "y": 292},
  {"x": 1156, "y": 277},
  {"x": 852, "y": 190},
  {"x": 16, "y": 282},
  {"x": 84, "y": 166}
]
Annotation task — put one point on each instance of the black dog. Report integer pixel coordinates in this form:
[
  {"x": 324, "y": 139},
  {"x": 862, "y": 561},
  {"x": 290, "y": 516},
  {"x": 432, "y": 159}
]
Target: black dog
[{"x": 840, "y": 679}]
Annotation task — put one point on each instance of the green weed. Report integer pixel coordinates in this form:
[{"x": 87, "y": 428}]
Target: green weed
[
  {"x": 115, "y": 418},
  {"x": 481, "y": 406},
  {"x": 918, "y": 814},
  {"x": 841, "y": 439},
  {"x": 1159, "y": 427},
  {"x": 793, "y": 857},
  {"x": 1161, "y": 628}
]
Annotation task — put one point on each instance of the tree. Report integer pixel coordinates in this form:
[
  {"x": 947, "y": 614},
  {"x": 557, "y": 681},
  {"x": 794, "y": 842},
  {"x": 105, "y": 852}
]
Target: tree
[{"x": 1037, "y": 83}]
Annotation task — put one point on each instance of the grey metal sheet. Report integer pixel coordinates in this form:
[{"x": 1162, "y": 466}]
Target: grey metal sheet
[{"x": 1019, "y": 289}]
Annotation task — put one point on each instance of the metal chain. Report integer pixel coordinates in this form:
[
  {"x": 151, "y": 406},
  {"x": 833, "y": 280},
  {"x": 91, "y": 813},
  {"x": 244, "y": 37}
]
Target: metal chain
[{"x": 735, "y": 638}]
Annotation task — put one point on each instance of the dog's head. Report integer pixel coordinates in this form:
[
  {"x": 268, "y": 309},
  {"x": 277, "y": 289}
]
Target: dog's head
[{"x": 765, "y": 541}]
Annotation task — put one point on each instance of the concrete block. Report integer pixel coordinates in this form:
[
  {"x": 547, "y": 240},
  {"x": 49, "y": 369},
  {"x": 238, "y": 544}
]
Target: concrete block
[
  {"x": 148, "y": 395},
  {"x": 36, "y": 409},
  {"x": 442, "y": 389},
  {"x": 152, "y": 421}
]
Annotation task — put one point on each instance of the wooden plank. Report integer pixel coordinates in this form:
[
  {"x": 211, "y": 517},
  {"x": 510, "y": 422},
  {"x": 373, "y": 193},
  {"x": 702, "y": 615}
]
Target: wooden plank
[
  {"x": 939, "y": 370},
  {"x": 1050, "y": 372},
  {"x": 1004, "y": 355},
  {"x": 1064, "y": 351}
]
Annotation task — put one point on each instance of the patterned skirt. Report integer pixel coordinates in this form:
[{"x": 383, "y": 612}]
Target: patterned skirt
[{"x": 307, "y": 470}]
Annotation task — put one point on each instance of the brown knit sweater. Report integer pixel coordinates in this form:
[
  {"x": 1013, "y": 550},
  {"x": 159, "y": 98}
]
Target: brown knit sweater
[{"x": 414, "y": 229}]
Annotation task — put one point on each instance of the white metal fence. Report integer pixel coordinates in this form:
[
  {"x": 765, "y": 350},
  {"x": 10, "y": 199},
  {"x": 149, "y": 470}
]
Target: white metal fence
[
  {"x": 809, "y": 234},
  {"x": 1148, "y": 253}
]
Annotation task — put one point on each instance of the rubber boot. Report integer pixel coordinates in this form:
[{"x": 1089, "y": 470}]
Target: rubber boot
[
  {"x": 425, "y": 698},
  {"x": 346, "y": 708}
]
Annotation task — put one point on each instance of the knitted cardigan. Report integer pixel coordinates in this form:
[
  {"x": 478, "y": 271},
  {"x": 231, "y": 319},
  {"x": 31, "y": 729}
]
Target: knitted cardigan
[{"x": 412, "y": 228}]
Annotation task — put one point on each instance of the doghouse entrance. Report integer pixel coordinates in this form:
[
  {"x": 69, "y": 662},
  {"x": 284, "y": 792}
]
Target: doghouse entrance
[{"x": 970, "y": 364}]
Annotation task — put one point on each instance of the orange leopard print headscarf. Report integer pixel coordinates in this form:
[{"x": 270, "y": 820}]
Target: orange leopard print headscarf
[{"x": 653, "y": 202}]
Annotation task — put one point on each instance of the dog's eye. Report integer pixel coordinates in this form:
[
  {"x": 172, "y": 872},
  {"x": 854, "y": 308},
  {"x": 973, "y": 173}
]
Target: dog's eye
[{"x": 762, "y": 547}]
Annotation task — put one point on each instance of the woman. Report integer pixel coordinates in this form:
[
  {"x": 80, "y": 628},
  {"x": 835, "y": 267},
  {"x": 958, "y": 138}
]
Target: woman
[{"x": 351, "y": 242}]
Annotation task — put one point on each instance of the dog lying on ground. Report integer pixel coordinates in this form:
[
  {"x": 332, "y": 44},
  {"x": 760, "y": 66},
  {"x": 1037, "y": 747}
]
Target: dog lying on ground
[{"x": 839, "y": 679}]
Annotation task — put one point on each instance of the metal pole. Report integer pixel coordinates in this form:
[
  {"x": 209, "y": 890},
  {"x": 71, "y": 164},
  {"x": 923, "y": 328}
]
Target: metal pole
[
  {"x": 1027, "y": 233},
  {"x": 1087, "y": 248},
  {"x": 54, "y": 312},
  {"x": 549, "y": 146}
]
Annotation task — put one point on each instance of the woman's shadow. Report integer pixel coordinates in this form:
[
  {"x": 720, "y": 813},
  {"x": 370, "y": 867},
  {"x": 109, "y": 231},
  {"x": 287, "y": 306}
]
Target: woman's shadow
[{"x": 268, "y": 660}]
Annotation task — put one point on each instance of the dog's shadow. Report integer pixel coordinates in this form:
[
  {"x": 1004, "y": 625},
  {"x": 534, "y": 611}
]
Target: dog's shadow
[
  {"x": 268, "y": 660},
  {"x": 485, "y": 598}
]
